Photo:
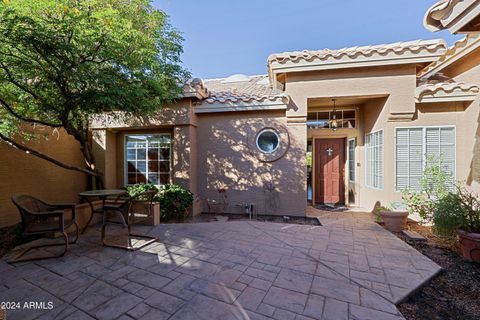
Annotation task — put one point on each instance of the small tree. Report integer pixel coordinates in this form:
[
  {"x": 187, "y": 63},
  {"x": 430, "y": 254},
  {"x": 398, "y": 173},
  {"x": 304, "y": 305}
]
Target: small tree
[{"x": 61, "y": 61}]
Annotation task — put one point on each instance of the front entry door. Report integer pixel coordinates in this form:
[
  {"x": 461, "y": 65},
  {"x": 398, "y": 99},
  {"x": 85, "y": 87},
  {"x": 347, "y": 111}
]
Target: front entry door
[{"x": 329, "y": 171}]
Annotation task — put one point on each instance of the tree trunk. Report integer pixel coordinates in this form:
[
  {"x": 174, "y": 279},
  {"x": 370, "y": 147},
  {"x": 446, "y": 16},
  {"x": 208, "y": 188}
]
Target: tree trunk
[{"x": 83, "y": 138}]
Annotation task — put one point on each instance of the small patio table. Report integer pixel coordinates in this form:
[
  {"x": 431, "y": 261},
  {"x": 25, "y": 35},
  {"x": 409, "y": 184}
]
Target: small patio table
[{"x": 103, "y": 194}]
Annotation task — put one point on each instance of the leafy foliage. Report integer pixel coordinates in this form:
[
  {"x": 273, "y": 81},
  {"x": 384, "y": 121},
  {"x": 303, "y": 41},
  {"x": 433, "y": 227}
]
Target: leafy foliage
[
  {"x": 62, "y": 61},
  {"x": 435, "y": 184},
  {"x": 457, "y": 210},
  {"x": 137, "y": 189},
  {"x": 174, "y": 201}
]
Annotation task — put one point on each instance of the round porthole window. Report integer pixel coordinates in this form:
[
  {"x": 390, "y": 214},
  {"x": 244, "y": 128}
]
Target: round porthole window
[{"x": 268, "y": 141}]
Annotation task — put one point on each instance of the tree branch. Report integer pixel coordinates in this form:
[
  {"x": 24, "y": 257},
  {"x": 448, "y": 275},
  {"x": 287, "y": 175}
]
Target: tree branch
[
  {"x": 47, "y": 158},
  {"x": 16, "y": 83},
  {"x": 20, "y": 117}
]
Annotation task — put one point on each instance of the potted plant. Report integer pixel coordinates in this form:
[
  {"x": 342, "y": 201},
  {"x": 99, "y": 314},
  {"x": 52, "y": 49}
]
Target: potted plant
[
  {"x": 175, "y": 201},
  {"x": 147, "y": 212},
  {"x": 459, "y": 213},
  {"x": 393, "y": 220}
]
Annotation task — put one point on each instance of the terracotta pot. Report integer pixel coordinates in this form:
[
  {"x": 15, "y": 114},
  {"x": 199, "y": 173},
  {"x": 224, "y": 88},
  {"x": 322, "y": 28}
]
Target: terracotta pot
[
  {"x": 394, "y": 221},
  {"x": 470, "y": 244}
]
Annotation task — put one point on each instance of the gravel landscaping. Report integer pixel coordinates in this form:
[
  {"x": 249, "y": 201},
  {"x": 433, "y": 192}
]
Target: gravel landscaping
[{"x": 454, "y": 293}]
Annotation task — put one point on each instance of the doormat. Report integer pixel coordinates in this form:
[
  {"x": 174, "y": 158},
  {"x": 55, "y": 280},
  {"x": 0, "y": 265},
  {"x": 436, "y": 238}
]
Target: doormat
[{"x": 331, "y": 207}]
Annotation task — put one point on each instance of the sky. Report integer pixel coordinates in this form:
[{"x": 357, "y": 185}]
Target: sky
[{"x": 228, "y": 37}]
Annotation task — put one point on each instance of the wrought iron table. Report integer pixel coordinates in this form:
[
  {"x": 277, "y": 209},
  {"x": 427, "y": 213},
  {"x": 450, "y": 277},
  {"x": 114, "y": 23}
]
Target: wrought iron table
[{"x": 103, "y": 194}]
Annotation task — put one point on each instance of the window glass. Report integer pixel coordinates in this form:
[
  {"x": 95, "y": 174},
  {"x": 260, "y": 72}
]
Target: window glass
[
  {"x": 148, "y": 159},
  {"x": 352, "y": 143},
  {"x": 268, "y": 141},
  {"x": 321, "y": 119}
]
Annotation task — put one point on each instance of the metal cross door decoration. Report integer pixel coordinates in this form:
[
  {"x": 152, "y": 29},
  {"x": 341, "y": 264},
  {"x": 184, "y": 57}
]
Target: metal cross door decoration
[{"x": 329, "y": 152}]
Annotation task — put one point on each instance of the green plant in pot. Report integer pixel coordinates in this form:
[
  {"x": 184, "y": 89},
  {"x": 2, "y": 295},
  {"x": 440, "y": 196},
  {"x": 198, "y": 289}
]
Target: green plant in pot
[
  {"x": 458, "y": 213},
  {"x": 394, "y": 219},
  {"x": 174, "y": 201}
]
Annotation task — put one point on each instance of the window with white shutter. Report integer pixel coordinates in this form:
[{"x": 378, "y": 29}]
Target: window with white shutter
[
  {"x": 374, "y": 159},
  {"x": 352, "y": 143},
  {"x": 415, "y": 146}
]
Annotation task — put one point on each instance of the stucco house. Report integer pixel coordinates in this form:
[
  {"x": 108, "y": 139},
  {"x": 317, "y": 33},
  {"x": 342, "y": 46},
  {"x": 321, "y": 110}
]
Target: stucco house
[
  {"x": 368, "y": 116},
  {"x": 346, "y": 127}
]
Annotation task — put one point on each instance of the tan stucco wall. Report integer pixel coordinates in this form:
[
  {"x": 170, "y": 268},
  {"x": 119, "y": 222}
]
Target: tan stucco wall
[
  {"x": 24, "y": 173},
  {"x": 225, "y": 160},
  {"x": 397, "y": 81},
  {"x": 178, "y": 113}
]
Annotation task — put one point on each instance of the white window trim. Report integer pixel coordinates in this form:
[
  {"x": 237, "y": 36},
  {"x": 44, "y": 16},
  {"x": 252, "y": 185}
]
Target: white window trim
[
  {"x": 125, "y": 163},
  {"x": 383, "y": 160},
  {"x": 424, "y": 146},
  {"x": 337, "y": 110},
  {"x": 355, "y": 160}
]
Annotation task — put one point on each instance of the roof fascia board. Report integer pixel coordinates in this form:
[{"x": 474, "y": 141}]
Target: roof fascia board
[
  {"x": 238, "y": 107},
  {"x": 447, "y": 98},
  {"x": 309, "y": 66},
  {"x": 462, "y": 14}
]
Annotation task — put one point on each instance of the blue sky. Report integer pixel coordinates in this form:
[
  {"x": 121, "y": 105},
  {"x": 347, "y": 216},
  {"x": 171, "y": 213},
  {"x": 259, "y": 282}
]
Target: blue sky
[{"x": 236, "y": 36}]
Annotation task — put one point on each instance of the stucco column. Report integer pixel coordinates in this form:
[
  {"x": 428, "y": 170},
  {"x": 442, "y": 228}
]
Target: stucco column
[
  {"x": 105, "y": 151},
  {"x": 185, "y": 160}
]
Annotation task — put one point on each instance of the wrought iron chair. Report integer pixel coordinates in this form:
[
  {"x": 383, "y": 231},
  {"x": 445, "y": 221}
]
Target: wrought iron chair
[
  {"x": 219, "y": 205},
  {"x": 121, "y": 209},
  {"x": 40, "y": 217}
]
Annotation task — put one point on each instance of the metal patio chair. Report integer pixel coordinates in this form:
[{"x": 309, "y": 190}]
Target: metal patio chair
[
  {"x": 219, "y": 205},
  {"x": 40, "y": 217},
  {"x": 121, "y": 212}
]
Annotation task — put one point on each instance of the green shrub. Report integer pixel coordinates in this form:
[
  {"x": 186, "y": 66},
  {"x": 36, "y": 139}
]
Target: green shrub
[
  {"x": 457, "y": 210},
  {"x": 379, "y": 209},
  {"x": 418, "y": 202},
  {"x": 435, "y": 183},
  {"x": 174, "y": 201},
  {"x": 136, "y": 189}
]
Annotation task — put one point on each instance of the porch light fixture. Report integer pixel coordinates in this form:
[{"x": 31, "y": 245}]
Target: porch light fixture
[{"x": 333, "y": 121}]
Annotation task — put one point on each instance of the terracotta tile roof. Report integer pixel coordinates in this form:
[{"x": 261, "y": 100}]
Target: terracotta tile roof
[
  {"x": 471, "y": 41},
  {"x": 397, "y": 48},
  {"x": 440, "y": 83},
  {"x": 195, "y": 88},
  {"x": 241, "y": 88},
  {"x": 438, "y": 12}
]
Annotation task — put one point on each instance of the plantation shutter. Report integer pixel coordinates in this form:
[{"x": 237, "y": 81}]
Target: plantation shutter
[
  {"x": 374, "y": 159},
  {"x": 414, "y": 146},
  {"x": 409, "y": 156},
  {"x": 379, "y": 160},
  {"x": 440, "y": 145},
  {"x": 368, "y": 175}
]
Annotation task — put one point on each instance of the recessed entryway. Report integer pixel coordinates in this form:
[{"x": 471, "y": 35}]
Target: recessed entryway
[{"x": 329, "y": 171}]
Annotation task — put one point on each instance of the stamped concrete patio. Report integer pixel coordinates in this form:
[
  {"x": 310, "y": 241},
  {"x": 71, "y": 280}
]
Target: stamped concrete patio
[{"x": 349, "y": 268}]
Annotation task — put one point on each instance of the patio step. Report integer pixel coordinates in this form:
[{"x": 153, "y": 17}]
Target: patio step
[{"x": 413, "y": 236}]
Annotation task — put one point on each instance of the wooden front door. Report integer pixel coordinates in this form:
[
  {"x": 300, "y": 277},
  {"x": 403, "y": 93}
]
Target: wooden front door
[{"x": 329, "y": 171}]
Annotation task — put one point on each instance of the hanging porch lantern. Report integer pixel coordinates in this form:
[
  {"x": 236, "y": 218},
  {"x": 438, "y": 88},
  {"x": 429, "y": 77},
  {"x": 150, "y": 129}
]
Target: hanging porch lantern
[{"x": 333, "y": 121}]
